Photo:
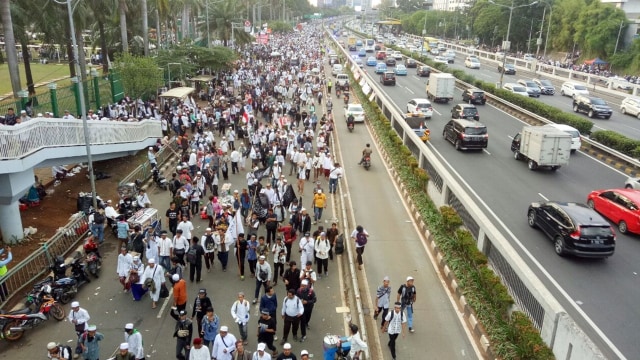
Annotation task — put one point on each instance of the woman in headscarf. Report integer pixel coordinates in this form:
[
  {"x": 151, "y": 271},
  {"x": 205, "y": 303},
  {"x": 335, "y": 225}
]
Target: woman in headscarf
[{"x": 135, "y": 278}]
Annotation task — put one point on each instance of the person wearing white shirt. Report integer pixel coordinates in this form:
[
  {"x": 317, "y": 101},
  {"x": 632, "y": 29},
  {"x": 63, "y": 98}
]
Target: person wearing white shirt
[
  {"x": 199, "y": 351},
  {"x": 110, "y": 211},
  {"x": 186, "y": 226},
  {"x": 143, "y": 199},
  {"x": 124, "y": 265},
  {"x": 165, "y": 246},
  {"x": 240, "y": 311},
  {"x": 306, "y": 249},
  {"x": 234, "y": 157},
  {"x": 180, "y": 246},
  {"x": 223, "y": 245},
  {"x": 334, "y": 175},
  {"x": 358, "y": 346},
  {"x": 134, "y": 339},
  {"x": 224, "y": 345},
  {"x": 356, "y": 236},
  {"x": 395, "y": 323}
]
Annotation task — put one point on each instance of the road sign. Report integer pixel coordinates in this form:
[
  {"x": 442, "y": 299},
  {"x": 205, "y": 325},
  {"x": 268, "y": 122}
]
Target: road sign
[{"x": 247, "y": 26}]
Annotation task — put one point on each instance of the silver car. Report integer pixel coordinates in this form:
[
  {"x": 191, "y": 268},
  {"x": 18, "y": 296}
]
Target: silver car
[
  {"x": 632, "y": 183},
  {"x": 630, "y": 105}
]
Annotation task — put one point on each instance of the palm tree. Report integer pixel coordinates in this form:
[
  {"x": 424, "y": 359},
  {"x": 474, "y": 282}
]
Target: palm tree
[
  {"x": 122, "y": 8},
  {"x": 145, "y": 27},
  {"x": 10, "y": 46},
  {"x": 21, "y": 21},
  {"x": 220, "y": 21}
]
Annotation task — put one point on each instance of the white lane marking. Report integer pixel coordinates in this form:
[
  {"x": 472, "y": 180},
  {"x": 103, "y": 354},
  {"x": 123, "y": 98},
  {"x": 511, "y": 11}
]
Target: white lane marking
[
  {"x": 409, "y": 90},
  {"x": 544, "y": 197},
  {"x": 485, "y": 150},
  {"x": 166, "y": 302}
]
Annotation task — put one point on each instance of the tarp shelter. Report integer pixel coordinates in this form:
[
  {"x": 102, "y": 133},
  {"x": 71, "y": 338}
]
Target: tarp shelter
[
  {"x": 596, "y": 61},
  {"x": 204, "y": 78},
  {"x": 179, "y": 92}
]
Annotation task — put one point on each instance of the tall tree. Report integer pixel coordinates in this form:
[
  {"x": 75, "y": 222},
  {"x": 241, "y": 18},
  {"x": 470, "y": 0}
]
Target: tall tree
[
  {"x": 10, "y": 46},
  {"x": 22, "y": 20},
  {"x": 122, "y": 9},
  {"x": 145, "y": 27}
]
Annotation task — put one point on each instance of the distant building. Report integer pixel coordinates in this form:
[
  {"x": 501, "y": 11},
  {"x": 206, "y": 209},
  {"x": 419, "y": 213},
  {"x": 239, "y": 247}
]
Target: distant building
[
  {"x": 632, "y": 9},
  {"x": 451, "y": 5}
]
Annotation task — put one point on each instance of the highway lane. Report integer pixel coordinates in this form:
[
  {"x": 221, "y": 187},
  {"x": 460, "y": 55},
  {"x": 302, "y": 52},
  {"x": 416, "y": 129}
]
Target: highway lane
[
  {"x": 624, "y": 124},
  {"x": 507, "y": 187}
]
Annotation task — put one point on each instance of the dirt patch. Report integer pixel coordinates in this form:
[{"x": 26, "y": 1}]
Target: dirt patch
[{"x": 56, "y": 208}]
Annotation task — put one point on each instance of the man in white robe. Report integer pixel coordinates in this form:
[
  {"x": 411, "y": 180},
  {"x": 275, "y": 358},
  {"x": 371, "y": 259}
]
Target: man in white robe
[
  {"x": 155, "y": 272},
  {"x": 223, "y": 345}
]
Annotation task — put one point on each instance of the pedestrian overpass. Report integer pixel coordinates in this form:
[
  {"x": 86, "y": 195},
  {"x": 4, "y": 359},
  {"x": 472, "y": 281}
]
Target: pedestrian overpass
[{"x": 43, "y": 142}]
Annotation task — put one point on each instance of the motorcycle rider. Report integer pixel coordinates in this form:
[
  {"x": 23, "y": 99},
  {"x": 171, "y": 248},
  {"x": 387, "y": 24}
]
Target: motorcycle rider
[
  {"x": 366, "y": 153},
  {"x": 350, "y": 121}
]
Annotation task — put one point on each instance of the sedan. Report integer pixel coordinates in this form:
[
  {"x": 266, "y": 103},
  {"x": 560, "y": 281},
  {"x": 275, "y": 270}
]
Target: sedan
[
  {"x": 356, "y": 110},
  {"x": 400, "y": 70},
  {"x": 397, "y": 55},
  {"x": 574, "y": 228},
  {"x": 424, "y": 71},
  {"x": 381, "y": 68},
  {"x": 620, "y": 206},
  {"x": 390, "y": 61},
  {"x": 632, "y": 183},
  {"x": 420, "y": 107},
  {"x": 352, "y": 47},
  {"x": 359, "y": 62},
  {"x": 509, "y": 69},
  {"x": 516, "y": 89},
  {"x": 532, "y": 88},
  {"x": 434, "y": 51},
  {"x": 546, "y": 87},
  {"x": 362, "y": 53},
  {"x": 472, "y": 63},
  {"x": 440, "y": 59},
  {"x": 371, "y": 61},
  {"x": 411, "y": 63}
]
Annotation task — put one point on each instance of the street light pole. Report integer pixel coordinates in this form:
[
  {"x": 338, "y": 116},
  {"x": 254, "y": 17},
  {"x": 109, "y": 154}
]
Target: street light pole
[
  {"x": 546, "y": 41},
  {"x": 83, "y": 106},
  {"x": 506, "y": 44},
  {"x": 539, "y": 40}
]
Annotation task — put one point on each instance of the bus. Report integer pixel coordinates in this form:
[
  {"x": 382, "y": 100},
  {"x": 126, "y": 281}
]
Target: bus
[{"x": 369, "y": 45}]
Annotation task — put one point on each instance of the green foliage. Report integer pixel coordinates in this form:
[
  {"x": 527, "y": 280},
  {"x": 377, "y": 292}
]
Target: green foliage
[
  {"x": 140, "y": 76},
  {"x": 527, "y": 335},
  {"x": 450, "y": 218},
  {"x": 617, "y": 141},
  {"x": 280, "y": 27},
  {"x": 193, "y": 58},
  {"x": 597, "y": 29},
  {"x": 628, "y": 59}
]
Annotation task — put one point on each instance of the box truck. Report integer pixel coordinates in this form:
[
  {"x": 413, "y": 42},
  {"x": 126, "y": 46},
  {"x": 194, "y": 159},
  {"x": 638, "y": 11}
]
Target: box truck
[
  {"x": 542, "y": 147},
  {"x": 440, "y": 87}
]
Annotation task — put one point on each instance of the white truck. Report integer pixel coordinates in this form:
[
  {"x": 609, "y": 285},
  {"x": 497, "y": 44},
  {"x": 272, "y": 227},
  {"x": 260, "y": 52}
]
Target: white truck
[
  {"x": 440, "y": 87},
  {"x": 542, "y": 147}
]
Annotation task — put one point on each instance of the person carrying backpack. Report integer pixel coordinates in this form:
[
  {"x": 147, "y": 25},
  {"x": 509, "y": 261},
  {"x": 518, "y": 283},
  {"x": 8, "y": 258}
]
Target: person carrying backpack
[
  {"x": 407, "y": 296},
  {"x": 59, "y": 352},
  {"x": 360, "y": 236},
  {"x": 394, "y": 324}
]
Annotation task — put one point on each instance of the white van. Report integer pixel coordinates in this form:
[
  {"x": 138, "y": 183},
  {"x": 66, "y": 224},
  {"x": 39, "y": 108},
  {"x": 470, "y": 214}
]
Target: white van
[
  {"x": 336, "y": 69},
  {"x": 342, "y": 79},
  {"x": 576, "y": 142}
]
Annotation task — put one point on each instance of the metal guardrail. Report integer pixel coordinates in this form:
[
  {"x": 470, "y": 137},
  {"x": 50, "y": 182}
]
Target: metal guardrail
[
  {"x": 143, "y": 172},
  {"x": 23, "y": 139},
  {"x": 557, "y": 329},
  {"x": 37, "y": 264}
]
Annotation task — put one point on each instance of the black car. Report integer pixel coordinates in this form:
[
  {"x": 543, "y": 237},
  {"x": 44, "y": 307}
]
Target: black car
[
  {"x": 410, "y": 63},
  {"x": 390, "y": 61},
  {"x": 592, "y": 106},
  {"x": 377, "y": 47},
  {"x": 465, "y": 111},
  {"x": 474, "y": 96},
  {"x": 424, "y": 71},
  {"x": 388, "y": 78},
  {"x": 509, "y": 69},
  {"x": 353, "y": 47},
  {"x": 546, "y": 87},
  {"x": 466, "y": 134},
  {"x": 574, "y": 228}
]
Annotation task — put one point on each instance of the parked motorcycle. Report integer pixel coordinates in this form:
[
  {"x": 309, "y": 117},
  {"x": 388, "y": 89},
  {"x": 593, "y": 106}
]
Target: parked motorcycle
[
  {"x": 64, "y": 288},
  {"x": 366, "y": 162},
  {"x": 39, "y": 307},
  {"x": 158, "y": 179}
]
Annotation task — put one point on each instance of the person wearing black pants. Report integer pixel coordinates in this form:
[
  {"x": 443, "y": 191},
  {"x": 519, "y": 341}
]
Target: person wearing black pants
[
  {"x": 183, "y": 333},
  {"x": 195, "y": 267},
  {"x": 267, "y": 330},
  {"x": 292, "y": 311},
  {"x": 308, "y": 298},
  {"x": 241, "y": 253}
]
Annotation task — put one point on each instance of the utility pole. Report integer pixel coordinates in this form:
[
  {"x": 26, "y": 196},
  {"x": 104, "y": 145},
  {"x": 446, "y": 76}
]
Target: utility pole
[
  {"x": 539, "y": 40},
  {"x": 618, "y": 38}
]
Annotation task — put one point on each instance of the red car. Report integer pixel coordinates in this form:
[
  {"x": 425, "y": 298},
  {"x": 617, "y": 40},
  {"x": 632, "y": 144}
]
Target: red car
[
  {"x": 381, "y": 55},
  {"x": 620, "y": 206}
]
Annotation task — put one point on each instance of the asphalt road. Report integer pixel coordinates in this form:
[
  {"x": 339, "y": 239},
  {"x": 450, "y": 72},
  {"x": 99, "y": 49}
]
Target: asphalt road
[
  {"x": 506, "y": 187},
  {"x": 623, "y": 124}
]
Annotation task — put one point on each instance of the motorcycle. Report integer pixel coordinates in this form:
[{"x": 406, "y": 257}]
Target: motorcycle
[
  {"x": 346, "y": 98},
  {"x": 92, "y": 257},
  {"x": 366, "y": 162},
  {"x": 39, "y": 307},
  {"x": 158, "y": 179},
  {"x": 64, "y": 288},
  {"x": 350, "y": 126}
]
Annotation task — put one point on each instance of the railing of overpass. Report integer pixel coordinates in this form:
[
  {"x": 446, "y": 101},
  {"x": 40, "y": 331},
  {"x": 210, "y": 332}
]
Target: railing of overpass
[
  {"x": 23, "y": 139},
  {"x": 561, "y": 332}
]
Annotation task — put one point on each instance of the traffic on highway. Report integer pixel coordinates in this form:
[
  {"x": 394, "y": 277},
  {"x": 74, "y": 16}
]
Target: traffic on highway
[{"x": 507, "y": 188}]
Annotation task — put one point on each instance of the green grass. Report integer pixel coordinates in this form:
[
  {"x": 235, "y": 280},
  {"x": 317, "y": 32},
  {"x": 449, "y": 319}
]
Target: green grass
[{"x": 41, "y": 73}]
